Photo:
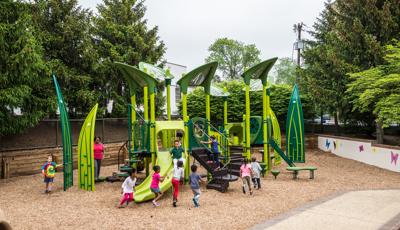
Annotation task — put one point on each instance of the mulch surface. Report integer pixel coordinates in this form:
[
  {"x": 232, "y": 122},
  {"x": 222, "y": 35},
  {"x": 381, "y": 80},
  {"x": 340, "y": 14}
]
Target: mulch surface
[{"x": 26, "y": 206}]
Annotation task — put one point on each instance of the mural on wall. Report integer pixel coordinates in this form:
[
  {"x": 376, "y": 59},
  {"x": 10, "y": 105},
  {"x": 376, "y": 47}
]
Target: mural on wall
[
  {"x": 394, "y": 157},
  {"x": 327, "y": 144},
  {"x": 381, "y": 156}
]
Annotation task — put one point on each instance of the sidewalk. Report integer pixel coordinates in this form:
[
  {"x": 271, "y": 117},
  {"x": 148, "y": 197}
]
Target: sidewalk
[{"x": 370, "y": 209}]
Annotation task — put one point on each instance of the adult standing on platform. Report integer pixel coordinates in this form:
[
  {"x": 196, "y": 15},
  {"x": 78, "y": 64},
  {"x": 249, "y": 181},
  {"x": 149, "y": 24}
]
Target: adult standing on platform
[{"x": 98, "y": 150}]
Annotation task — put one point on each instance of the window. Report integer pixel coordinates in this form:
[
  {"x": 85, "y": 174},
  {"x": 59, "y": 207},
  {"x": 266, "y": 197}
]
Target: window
[{"x": 177, "y": 93}]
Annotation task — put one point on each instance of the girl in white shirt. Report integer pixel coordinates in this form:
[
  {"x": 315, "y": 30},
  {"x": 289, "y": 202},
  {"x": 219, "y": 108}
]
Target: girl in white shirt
[
  {"x": 128, "y": 188},
  {"x": 178, "y": 178},
  {"x": 255, "y": 166}
]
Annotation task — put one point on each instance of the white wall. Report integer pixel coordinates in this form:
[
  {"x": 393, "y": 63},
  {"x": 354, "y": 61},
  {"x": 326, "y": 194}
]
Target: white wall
[
  {"x": 177, "y": 71},
  {"x": 386, "y": 157}
]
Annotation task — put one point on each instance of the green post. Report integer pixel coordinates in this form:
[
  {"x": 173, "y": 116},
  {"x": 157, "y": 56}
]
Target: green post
[
  {"x": 153, "y": 137},
  {"x": 208, "y": 114},
  {"x": 146, "y": 103},
  {"x": 265, "y": 128},
  {"x": 146, "y": 119},
  {"x": 166, "y": 137},
  {"x": 225, "y": 112},
  {"x": 133, "y": 119},
  {"x": 168, "y": 84},
  {"x": 248, "y": 152},
  {"x": 186, "y": 136},
  {"x": 267, "y": 124}
]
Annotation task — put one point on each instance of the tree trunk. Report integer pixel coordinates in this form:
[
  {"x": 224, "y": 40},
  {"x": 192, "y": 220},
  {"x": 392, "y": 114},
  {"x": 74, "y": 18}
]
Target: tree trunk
[
  {"x": 379, "y": 132},
  {"x": 335, "y": 117}
]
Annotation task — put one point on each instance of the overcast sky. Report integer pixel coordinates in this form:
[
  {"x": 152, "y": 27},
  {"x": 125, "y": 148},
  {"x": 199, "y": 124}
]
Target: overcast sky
[{"x": 188, "y": 27}]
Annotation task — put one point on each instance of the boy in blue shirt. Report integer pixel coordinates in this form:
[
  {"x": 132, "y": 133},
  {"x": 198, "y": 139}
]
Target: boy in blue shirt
[
  {"x": 194, "y": 180},
  {"x": 214, "y": 149}
]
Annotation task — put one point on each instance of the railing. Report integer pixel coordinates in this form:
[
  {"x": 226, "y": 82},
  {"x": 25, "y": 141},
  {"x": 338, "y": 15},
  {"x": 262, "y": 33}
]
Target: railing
[{"x": 223, "y": 143}]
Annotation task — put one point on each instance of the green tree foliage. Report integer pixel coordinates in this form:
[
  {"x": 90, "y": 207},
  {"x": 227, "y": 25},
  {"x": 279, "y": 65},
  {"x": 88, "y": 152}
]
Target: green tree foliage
[
  {"x": 24, "y": 83},
  {"x": 279, "y": 101},
  {"x": 285, "y": 71},
  {"x": 122, "y": 35},
  {"x": 66, "y": 32},
  {"x": 349, "y": 37},
  {"x": 377, "y": 89},
  {"x": 233, "y": 57}
]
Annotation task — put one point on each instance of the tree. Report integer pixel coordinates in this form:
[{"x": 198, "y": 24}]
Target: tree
[
  {"x": 233, "y": 57},
  {"x": 279, "y": 100},
  {"x": 349, "y": 37},
  {"x": 66, "y": 32},
  {"x": 24, "y": 79},
  {"x": 122, "y": 35},
  {"x": 377, "y": 90},
  {"x": 285, "y": 71}
]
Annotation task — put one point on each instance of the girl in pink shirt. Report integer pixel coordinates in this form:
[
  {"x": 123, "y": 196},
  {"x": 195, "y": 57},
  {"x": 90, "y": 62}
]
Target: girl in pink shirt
[
  {"x": 155, "y": 184},
  {"x": 98, "y": 150},
  {"x": 245, "y": 174}
]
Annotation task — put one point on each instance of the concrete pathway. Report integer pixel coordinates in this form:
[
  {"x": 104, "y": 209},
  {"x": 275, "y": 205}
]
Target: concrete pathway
[{"x": 371, "y": 209}]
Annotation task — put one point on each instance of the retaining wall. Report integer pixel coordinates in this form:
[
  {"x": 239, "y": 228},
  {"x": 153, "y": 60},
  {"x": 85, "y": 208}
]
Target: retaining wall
[{"x": 366, "y": 151}]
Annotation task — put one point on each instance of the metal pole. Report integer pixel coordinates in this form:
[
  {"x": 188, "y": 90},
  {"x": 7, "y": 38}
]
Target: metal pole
[{"x": 248, "y": 152}]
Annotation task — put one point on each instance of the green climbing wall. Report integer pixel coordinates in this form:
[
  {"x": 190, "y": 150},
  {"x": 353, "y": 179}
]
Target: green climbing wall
[
  {"x": 66, "y": 138},
  {"x": 295, "y": 129}
]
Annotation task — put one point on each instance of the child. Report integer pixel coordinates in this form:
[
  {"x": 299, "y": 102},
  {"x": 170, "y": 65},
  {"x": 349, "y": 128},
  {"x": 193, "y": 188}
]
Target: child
[
  {"x": 128, "y": 188},
  {"x": 155, "y": 185},
  {"x": 177, "y": 153},
  {"x": 177, "y": 178},
  {"x": 255, "y": 166},
  {"x": 245, "y": 174},
  {"x": 194, "y": 180},
  {"x": 49, "y": 171},
  {"x": 214, "y": 150}
]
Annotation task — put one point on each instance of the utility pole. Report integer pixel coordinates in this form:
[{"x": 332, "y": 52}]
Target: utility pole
[{"x": 297, "y": 28}]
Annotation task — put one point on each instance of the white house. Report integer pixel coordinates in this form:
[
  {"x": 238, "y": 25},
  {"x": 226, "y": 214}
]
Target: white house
[{"x": 177, "y": 71}]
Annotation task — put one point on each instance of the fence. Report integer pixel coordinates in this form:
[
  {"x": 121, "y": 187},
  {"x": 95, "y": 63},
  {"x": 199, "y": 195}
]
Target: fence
[{"x": 47, "y": 134}]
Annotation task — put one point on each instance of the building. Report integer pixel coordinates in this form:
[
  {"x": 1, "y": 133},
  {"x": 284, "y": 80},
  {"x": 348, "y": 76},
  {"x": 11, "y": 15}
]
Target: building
[{"x": 177, "y": 71}]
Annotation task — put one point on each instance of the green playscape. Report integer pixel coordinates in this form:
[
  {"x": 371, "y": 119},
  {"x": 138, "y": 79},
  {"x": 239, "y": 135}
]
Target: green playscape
[{"x": 149, "y": 140}]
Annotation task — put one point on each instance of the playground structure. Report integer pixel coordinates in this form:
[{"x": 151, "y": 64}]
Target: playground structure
[{"x": 149, "y": 140}]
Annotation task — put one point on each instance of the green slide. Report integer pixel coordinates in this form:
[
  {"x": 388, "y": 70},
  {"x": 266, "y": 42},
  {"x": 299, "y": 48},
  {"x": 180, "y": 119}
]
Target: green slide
[
  {"x": 143, "y": 192},
  {"x": 164, "y": 160}
]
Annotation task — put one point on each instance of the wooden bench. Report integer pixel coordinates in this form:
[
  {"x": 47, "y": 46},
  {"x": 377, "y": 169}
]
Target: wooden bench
[{"x": 296, "y": 170}]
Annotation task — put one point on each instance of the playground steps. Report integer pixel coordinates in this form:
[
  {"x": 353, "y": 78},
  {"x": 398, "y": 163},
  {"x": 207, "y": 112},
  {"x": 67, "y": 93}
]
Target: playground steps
[
  {"x": 236, "y": 157},
  {"x": 220, "y": 179}
]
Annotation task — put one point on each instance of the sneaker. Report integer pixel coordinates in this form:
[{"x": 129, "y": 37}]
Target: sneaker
[
  {"x": 251, "y": 192},
  {"x": 195, "y": 203},
  {"x": 174, "y": 204},
  {"x": 244, "y": 191},
  {"x": 121, "y": 206},
  {"x": 155, "y": 204},
  {"x": 46, "y": 191}
]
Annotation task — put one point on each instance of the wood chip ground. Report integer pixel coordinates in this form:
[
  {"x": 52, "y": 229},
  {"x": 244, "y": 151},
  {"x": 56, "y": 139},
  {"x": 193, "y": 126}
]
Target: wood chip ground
[{"x": 25, "y": 205}]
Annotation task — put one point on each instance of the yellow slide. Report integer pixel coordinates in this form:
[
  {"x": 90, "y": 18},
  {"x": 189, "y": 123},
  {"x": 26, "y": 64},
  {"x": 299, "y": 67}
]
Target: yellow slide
[{"x": 164, "y": 160}]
